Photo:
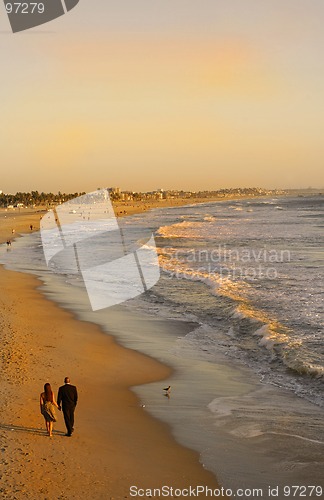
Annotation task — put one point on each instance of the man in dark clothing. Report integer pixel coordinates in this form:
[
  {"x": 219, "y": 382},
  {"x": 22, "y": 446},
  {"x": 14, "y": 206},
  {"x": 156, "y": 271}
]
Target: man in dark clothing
[{"x": 68, "y": 395}]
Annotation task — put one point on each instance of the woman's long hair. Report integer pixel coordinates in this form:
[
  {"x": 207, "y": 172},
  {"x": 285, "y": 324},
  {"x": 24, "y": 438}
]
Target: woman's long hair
[{"x": 48, "y": 392}]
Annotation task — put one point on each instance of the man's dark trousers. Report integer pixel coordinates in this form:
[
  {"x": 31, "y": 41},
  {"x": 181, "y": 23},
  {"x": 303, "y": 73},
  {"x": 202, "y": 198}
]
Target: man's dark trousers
[{"x": 68, "y": 413}]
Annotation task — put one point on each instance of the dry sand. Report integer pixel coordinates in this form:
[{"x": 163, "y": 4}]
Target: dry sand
[
  {"x": 116, "y": 444},
  {"x": 15, "y": 221}
]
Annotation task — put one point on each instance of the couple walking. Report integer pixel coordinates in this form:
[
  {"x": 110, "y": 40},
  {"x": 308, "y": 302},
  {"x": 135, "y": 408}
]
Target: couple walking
[{"x": 68, "y": 396}]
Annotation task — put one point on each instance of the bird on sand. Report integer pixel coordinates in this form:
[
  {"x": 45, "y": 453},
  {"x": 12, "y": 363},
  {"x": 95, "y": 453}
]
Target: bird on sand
[{"x": 167, "y": 389}]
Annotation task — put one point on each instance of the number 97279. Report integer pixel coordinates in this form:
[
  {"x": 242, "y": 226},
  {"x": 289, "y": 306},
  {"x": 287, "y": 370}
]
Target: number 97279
[{"x": 25, "y": 8}]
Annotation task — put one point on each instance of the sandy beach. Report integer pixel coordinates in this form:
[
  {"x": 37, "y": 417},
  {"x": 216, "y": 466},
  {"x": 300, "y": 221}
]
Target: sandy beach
[{"x": 116, "y": 443}]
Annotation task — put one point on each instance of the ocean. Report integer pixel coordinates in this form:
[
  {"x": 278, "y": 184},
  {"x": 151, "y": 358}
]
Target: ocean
[{"x": 238, "y": 314}]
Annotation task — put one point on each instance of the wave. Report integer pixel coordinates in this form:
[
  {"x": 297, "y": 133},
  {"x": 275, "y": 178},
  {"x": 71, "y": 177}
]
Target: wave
[
  {"x": 207, "y": 228},
  {"x": 184, "y": 229}
]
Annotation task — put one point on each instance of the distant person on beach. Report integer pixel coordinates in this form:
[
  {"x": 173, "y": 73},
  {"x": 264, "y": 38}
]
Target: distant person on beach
[
  {"x": 8, "y": 243},
  {"x": 31, "y": 227},
  {"x": 47, "y": 407},
  {"x": 68, "y": 396}
]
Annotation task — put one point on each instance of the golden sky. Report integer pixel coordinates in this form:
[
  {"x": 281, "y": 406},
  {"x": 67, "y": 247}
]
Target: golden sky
[{"x": 192, "y": 95}]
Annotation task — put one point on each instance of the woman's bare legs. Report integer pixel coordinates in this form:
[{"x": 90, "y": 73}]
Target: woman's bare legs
[{"x": 47, "y": 426}]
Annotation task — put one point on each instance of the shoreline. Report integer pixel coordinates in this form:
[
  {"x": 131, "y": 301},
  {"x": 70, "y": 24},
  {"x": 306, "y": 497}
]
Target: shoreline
[{"x": 43, "y": 342}]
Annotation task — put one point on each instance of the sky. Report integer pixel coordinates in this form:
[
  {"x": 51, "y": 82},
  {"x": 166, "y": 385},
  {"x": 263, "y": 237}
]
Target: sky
[{"x": 165, "y": 94}]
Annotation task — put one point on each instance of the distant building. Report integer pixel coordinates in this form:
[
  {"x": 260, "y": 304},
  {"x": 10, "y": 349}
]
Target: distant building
[{"x": 114, "y": 190}]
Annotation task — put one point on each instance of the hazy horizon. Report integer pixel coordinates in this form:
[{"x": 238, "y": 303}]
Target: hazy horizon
[
  {"x": 304, "y": 190},
  {"x": 178, "y": 95}
]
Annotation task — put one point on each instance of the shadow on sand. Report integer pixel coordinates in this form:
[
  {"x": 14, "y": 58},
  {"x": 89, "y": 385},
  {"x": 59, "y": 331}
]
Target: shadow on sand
[{"x": 31, "y": 430}]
